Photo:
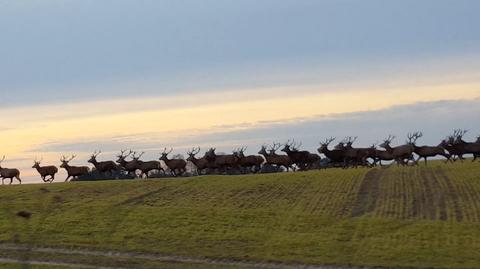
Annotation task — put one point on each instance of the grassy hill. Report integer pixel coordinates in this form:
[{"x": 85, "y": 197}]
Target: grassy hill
[{"x": 399, "y": 217}]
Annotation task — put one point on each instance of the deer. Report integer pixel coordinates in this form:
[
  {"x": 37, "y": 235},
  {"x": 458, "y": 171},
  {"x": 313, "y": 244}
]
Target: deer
[
  {"x": 103, "y": 167},
  {"x": 381, "y": 155},
  {"x": 200, "y": 164},
  {"x": 45, "y": 171},
  {"x": 455, "y": 150},
  {"x": 144, "y": 167},
  {"x": 250, "y": 162},
  {"x": 176, "y": 166},
  {"x": 402, "y": 152},
  {"x": 223, "y": 162},
  {"x": 303, "y": 159},
  {"x": 355, "y": 155},
  {"x": 336, "y": 156},
  {"x": 73, "y": 171},
  {"x": 129, "y": 166},
  {"x": 273, "y": 158},
  {"x": 10, "y": 173},
  {"x": 466, "y": 147},
  {"x": 427, "y": 151}
]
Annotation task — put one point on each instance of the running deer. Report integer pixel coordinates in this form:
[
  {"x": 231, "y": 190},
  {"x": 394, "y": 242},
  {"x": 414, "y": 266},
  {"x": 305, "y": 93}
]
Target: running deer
[
  {"x": 9, "y": 173},
  {"x": 144, "y": 167},
  {"x": 427, "y": 151},
  {"x": 356, "y": 156},
  {"x": 250, "y": 162},
  {"x": 336, "y": 156},
  {"x": 45, "y": 171},
  {"x": 223, "y": 162},
  {"x": 272, "y": 158},
  {"x": 176, "y": 166},
  {"x": 73, "y": 171},
  {"x": 103, "y": 167},
  {"x": 129, "y": 166},
  {"x": 201, "y": 163},
  {"x": 466, "y": 147},
  {"x": 303, "y": 159},
  {"x": 403, "y": 153}
]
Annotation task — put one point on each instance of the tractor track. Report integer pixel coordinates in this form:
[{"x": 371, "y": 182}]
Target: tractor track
[{"x": 148, "y": 257}]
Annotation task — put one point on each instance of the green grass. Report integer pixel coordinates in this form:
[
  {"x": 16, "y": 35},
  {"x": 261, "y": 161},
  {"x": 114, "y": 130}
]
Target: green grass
[{"x": 399, "y": 217}]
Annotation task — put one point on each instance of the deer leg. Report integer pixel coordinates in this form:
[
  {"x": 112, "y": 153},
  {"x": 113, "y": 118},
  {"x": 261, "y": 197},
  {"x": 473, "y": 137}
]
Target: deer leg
[
  {"x": 67, "y": 178},
  {"x": 19, "y": 180}
]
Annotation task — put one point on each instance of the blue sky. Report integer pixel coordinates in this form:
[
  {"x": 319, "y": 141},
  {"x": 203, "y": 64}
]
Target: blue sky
[
  {"x": 56, "y": 50},
  {"x": 71, "y": 65}
]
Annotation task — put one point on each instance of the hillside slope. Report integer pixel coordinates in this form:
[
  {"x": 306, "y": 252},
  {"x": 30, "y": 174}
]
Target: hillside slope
[{"x": 402, "y": 217}]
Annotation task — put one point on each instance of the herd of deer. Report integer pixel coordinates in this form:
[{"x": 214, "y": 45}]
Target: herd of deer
[{"x": 342, "y": 155}]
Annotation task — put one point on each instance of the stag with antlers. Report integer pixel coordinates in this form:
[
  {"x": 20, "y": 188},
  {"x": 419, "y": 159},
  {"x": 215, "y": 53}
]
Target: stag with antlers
[
  {"x": 223, "y": 162},
  {"x": 73, "y": 171},
  {"x": 250, "y": 163},
  {"x": 144, "y": 167},
  {"x": 10, "y": 173},
  {"x": 176, "y": 166},
  {"x": 466, "y": 147},
  {"x": 129, "y": 166},
  {"x": 45, "y": 171},
  {"x": 303, "y": 159},
  {"x": 403, "y": 153},
  {"x": 200, "y": 163},
  {"x": 336, "y": 156},
  {"x": 427, "y": 151},
  {"x": 355, "y": 156},
  {"x": 272, "y": 158},
  {"x": 103, "y": 167}
]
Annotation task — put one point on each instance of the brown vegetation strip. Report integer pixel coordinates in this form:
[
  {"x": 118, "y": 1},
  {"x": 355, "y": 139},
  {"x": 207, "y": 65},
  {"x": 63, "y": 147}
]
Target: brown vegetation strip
[
  {"x": 368, "y": 193},
  {"x": 152, "y": 257}
]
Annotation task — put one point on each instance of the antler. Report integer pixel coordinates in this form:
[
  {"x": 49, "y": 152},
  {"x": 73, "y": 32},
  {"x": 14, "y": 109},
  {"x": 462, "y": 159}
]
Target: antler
[
  {"x": 275, "y": 146},
  {"x": 412, "y": 138},
  {"x": 328, "y": 141},
  {"x": 351, "y": 140},
  {"x": 389, "y": 139},
  {"x": 122, "y": 153},
  {"x": 459, "y": 133},
  {"x": 3, "y": 159},
  {"x": 295, "y": 145}
]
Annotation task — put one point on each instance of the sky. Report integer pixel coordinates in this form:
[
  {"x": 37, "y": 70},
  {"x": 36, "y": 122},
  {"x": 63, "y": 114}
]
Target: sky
[{"x": 79, "y": 76}]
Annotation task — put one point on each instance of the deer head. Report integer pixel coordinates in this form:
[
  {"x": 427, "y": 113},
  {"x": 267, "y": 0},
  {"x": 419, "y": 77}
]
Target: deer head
[
  {"x": 93, "y": 158},
  {"x": 123, "y": 156},
  {"x": 387, "y": 141},
  {"x": 192, "y": 153},
  {"x": 65, "y": 161},
  {"x": 165, "y": 154},
  {"x": 324, "y": 144}
]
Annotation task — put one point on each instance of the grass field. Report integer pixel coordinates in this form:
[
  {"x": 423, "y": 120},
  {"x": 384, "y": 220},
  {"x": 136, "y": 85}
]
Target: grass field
[{"x": 390, "y": 217}]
